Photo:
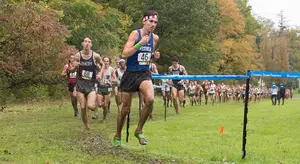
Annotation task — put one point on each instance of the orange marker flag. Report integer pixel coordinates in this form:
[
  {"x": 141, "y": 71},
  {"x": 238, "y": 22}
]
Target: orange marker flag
[{"x": 221, "y": 130}]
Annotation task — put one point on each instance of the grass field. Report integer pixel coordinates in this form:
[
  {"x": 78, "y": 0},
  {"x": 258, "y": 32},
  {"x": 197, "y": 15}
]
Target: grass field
[{"x": 48, "y": 133}]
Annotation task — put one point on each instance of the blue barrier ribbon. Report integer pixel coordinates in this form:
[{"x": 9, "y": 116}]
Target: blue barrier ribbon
[
  {"x": 274, "y": 74},
  {"x": 199, "y": 77}
]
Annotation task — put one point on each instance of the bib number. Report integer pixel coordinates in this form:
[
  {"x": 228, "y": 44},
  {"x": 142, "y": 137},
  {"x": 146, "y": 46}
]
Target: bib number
[
  {"x": 102, "y": 83},
  {"x": 144, "y": 58},
  {"x": 87, "y": 75},
  {"x": 73, "y": 75},
  {"x": 176, "y": 73}
]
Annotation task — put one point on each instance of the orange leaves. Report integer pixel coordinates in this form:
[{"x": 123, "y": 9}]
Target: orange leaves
[
  {"x": 232, "y": 22},
  {"x": 237, "y": 47}
]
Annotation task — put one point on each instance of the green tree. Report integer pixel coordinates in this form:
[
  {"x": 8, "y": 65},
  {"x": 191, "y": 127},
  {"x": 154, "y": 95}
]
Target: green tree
[
  {"x": 252, "y": 26},
  {"x": 187, "y": 29},
  {"x": 105, "y": 25}
]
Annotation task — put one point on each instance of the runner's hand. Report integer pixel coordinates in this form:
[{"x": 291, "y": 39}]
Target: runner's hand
[
  {"x": 144, "y": 40},
  {"x": 98, "y": 77}
]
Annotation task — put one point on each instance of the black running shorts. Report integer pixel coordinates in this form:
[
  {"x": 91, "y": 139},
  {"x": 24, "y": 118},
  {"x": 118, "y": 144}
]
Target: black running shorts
[
  {"x": 131, "y": 80},
  {"x": 85, "y": 86},
  {"x": 178, "y": 87},
  {"x": 71, "y": 87}
]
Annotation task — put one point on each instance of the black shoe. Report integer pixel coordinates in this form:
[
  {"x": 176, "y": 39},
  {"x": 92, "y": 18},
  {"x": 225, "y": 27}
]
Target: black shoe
[{"x": 75, "y": 114}]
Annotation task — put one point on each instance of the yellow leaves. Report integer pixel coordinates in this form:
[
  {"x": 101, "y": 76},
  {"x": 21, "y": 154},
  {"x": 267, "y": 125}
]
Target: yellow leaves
[
  {"x": 251, "y": 39},
  {"x": 237, "y": 56},
  {"x": 226, "y": 46},
  {"x": 101, "y": 10},
  {"x": 232, "y": 22}
]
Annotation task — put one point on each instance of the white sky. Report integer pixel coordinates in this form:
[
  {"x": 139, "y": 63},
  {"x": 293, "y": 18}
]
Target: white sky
[{"x": 270, "y": 8}]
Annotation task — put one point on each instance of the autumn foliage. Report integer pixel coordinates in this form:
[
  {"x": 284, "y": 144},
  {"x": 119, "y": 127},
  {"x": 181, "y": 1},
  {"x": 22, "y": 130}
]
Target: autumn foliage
[{"x": 209, "y": 37}]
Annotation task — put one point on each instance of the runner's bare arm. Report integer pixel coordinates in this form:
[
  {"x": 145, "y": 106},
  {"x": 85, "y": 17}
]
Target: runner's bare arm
[
  {"x": 184, "y": 73},
  {"x": 114, "y": 77},
  {"x": 98, "y": 59},
  {"x": 129, "y": 48},
  {"x": 64, "y": 72},
  {"x": 170, "y": 73},
  {"x": 156, "y": 53},
  {"x": 155, "y": 71},
  {"x": 170, "y": 70},
  {"x": 184, "y": 70},
  {"x": 156, "y": 39},
  {"x": 76, "y": 62},
  {"x": 100, "y": 74}
]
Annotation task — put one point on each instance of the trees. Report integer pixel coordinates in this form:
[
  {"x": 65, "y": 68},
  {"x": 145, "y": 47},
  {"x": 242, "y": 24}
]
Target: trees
[
  {"x": 294, "y": 53},
  {"x": 275, "y": 46},
  {"x": 252, "y": 26},
  {"x": 208, "y": 36},
  {"x": 37, "y": 34},
  {"x": 105, "y": 25},
  {"x": 31, "y": 44},
  {"x": 236, "y": 38},
  {"x": 187, "y": 29}
]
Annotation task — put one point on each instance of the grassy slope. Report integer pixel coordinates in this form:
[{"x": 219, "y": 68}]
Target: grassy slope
[{"x": 48, "y": 132}]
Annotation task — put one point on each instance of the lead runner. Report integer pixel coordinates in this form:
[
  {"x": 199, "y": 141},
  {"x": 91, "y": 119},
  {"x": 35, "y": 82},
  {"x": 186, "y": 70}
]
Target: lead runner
[{"x": 138, "y": 50}]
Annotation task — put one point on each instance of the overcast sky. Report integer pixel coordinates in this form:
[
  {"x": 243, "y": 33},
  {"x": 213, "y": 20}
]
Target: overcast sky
[{"x": 270, "y": 8}]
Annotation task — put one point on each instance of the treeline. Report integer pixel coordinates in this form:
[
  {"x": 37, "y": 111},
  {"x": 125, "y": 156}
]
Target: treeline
[{"x": 208, "y": 36}]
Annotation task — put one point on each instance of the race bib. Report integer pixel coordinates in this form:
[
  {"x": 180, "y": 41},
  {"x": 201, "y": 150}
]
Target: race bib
[
  {"x": 176, "y": 73},
  {"x": 109, "y": 89},
  {"x": 87, "y": 75},
  {"x": 73, "y": 75},
  {"x": 144, "y": 58},
  {"x": 102, "y": 83}
]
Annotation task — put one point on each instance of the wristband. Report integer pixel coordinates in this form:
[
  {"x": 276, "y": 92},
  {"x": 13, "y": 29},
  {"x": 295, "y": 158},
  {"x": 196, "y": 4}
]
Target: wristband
[{"x": 137, "y": 46}]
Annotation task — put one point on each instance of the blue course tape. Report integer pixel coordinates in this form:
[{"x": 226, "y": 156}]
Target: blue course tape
[
  {"x": 199, "y": 77},
  {"x": 274, "y": 74}
]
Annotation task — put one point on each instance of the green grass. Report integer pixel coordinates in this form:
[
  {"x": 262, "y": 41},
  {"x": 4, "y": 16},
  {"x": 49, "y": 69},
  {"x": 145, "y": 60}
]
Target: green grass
[{"x": 48, "y": 132}]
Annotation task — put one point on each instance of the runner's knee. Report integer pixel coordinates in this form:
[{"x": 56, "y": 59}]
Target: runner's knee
[
  {"x": 149, "y": 101},
  {"x": 91, "y": 106},
  {"x": 125, "y": 110}
]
